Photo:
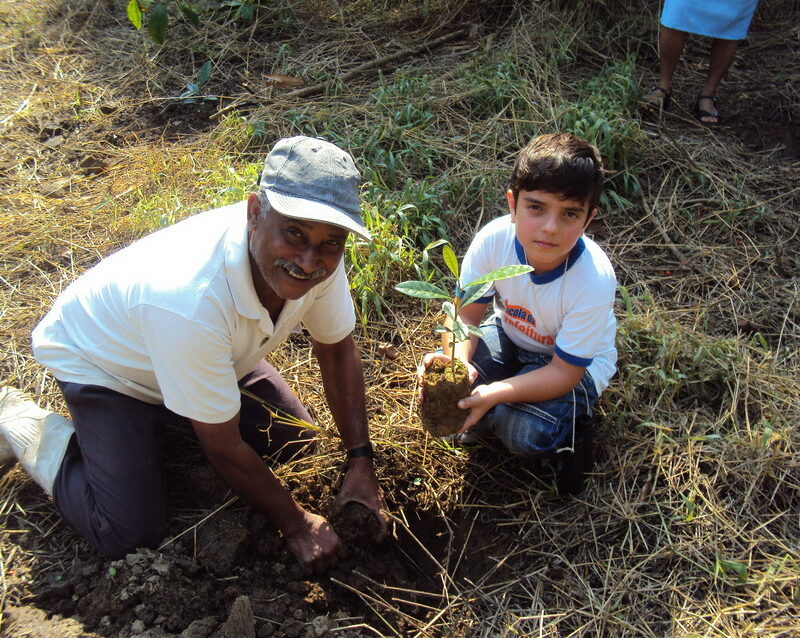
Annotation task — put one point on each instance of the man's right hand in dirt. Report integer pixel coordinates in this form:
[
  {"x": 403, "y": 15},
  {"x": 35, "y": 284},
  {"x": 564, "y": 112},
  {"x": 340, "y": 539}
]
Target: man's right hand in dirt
[
  {"x": 315, "y": 545},
  {"x": 360, "y": 485},
  {"x": 309, "y": 537}
]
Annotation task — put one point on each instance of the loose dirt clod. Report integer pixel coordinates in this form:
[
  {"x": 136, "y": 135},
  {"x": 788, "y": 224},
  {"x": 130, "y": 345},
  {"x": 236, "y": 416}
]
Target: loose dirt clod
[
  {"x": 223, "y": 542},
  {"x": 356, "y": 526},
  {"x": 240, "y": 623},
  {"x": 444, "y": 385}
]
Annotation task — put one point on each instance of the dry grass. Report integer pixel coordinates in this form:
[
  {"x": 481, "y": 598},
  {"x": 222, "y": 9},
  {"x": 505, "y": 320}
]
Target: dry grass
[{"x": 689, "y": 526}]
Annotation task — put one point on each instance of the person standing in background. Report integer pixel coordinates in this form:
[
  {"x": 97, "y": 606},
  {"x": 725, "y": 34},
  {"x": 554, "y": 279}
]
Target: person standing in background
[{"x": 726, "y": 21}]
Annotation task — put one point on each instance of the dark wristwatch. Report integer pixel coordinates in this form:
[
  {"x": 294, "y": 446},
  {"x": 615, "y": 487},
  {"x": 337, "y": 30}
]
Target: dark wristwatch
[{"x": 362, "y": 450}]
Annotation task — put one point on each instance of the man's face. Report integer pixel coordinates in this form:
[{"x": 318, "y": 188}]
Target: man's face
[
  {"x": 547, "y": 226},
  {"x": 290, "y": 256}
]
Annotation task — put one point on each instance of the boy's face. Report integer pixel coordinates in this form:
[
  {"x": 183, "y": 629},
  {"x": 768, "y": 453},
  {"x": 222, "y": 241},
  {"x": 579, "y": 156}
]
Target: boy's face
[{"x": 547, "y": 226}]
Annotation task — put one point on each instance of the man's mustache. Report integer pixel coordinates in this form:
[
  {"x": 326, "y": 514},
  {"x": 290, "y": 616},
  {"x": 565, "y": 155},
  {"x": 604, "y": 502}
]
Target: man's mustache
[{"x": 298, "y": 272}]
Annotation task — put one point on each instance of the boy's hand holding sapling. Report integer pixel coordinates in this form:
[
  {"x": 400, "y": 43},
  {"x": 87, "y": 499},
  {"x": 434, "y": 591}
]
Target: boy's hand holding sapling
[{"x": 447, "y": 378}]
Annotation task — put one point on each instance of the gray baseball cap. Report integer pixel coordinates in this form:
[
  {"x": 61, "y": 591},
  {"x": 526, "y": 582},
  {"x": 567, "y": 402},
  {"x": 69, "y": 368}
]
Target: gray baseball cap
[{"x": 309, "y": 178}]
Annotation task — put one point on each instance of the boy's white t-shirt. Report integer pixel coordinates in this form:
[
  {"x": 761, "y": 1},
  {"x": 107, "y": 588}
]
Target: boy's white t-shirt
[
  {"x": 568, "y": 310},
  {"x": 174, "y": 318}
]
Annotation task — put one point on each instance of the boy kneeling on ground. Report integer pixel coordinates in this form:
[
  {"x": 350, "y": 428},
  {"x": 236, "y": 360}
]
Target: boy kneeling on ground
[{"x": 548, "y": 350}]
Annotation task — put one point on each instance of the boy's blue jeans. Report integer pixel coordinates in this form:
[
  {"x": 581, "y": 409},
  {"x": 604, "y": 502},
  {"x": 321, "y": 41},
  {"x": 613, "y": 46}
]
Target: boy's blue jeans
[{"x": 527, "y": 428}]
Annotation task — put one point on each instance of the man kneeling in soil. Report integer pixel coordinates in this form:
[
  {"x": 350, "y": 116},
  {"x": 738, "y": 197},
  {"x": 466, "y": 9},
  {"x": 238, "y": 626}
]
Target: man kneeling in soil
[{"x": 171, "y": 328}]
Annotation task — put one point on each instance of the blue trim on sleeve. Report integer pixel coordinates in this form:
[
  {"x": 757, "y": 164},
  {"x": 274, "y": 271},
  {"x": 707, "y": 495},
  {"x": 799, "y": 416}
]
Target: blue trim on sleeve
[
  {"x": 552, "y": 275},
  {"x": 576, "y": 361},
  {"x": 484, "y": 299}
]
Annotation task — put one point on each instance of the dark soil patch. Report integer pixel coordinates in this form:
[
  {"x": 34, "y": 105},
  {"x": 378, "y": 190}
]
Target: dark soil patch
[
  {"x": 444, "y": 385},
  {"x": 231, "y": 575},
  {"x": 357, "y": 527},
  {"x": 176, "y": 117}
]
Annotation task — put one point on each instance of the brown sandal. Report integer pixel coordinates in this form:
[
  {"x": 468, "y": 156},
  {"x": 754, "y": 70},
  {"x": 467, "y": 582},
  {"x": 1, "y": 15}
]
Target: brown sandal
[
  {"x": 701, "y": 113},
  {"x": 658, "y": 99}
]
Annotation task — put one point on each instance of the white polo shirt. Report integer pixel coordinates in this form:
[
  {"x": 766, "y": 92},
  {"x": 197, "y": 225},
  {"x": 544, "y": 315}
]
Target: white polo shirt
[
  {"x": 174, "y": 318},
  {"x": 568, "y": 310}
]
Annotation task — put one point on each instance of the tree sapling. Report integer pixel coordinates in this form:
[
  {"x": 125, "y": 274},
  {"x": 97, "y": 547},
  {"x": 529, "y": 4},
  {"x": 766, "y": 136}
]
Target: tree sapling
[{"x": 445, "y": 384}]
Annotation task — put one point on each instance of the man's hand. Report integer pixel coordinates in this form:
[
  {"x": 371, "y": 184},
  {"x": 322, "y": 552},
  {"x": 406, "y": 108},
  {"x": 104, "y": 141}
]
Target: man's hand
[
  {"x": 343, "y": 380},
  {"x": 309, "y": 537},
  {"x": 315, "y": 545},
  {"x": 360, "y": 485},
  {"x": 426, "y": 361}
]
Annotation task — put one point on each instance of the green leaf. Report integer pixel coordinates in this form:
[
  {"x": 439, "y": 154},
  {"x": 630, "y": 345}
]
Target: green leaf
[
  {"x": 626, "y": 299},
  {"x": 246, "y": 13},
  {"x": 191, "y": 90},
  {"x": 422, "y": 290},
  {"x": 459, "y": 330},
  {"x": 473, "y": 293},
  {"x": 475, "y": 331},
  {"x": 449, "y": 309},
  {"x": 134, "y": 14},
  {"x": 189, "y": 14},
  {"x": 157, "y": 23},
  {"x": 434, "y": 244},
  {"x": 767, "y": 435},
  {"x": 450, "y": 259},
  {"x": 204, "y": 73},
  {"x": 506, "y": 272},
  {"x": 734, "y": 566},
  {"x": 704, "y": 437},
  {"x": 442, "y": 329}
]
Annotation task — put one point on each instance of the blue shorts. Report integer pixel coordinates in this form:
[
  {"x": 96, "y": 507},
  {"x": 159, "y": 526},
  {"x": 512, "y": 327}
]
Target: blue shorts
[{"x": 527, "y": 428}]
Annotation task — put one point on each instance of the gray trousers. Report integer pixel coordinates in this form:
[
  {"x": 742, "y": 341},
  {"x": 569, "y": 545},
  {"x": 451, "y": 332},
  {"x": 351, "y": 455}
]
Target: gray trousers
[{"x": 111, "y": 487}]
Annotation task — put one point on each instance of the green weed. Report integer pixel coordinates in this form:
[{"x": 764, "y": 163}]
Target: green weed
[
  {"x": 157, "y": 17},
  {"x": 604, "y": 115},
  {"x": 374, "y": 265},
  {"x": 724, "y": 566},
  {"x": 180, "y": 189},
  {"x": 662, "y": 361},
  {"x": 418, "y": 210},
  {"x": 192, "y": 91},
  {"x": 227, "y": 183},
  {"x": 493, "y": 87}
]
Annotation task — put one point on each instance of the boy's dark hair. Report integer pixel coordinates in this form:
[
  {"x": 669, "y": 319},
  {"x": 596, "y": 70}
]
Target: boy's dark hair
[{"x": 562, "y": 164}]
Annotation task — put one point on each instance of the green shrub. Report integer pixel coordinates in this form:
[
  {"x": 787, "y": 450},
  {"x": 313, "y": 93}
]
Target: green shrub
[
  {"x": 604, "y": 115},
  {"x": 156, "y": 16}
]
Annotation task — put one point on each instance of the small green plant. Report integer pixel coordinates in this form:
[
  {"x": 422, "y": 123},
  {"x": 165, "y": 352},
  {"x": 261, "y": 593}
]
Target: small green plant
[
  {"x": 191, "y": 92},
  {"x": 461, "y": 296},
  {"x": 372, "y": 265},
  {"x": 603, "y": 116},
  {"x": 418, "y": 211},
  {"x": 723, "y": 567},
  {"x": 158, "y": 18}
]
